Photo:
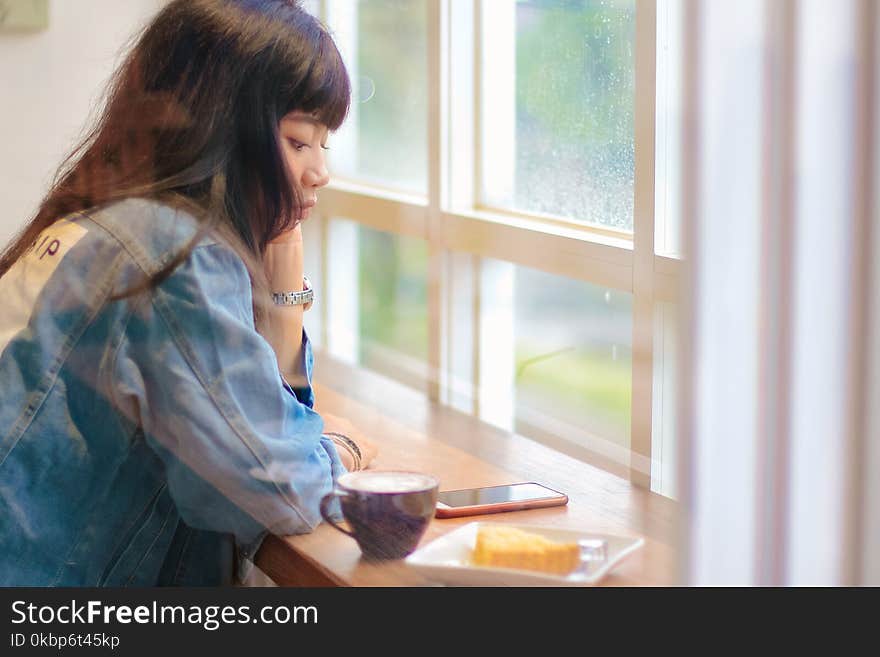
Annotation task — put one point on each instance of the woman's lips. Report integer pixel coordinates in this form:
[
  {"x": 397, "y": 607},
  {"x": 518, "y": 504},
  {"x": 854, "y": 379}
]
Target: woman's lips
[{"x": 307, "y": 208}]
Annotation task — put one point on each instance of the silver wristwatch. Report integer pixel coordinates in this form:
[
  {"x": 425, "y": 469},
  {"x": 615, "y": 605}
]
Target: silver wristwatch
[{"x": 304, "y": 298}]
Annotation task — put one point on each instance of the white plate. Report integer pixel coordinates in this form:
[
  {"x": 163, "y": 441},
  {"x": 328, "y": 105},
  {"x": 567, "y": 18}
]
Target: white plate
[{"x": 447, "y": 559}]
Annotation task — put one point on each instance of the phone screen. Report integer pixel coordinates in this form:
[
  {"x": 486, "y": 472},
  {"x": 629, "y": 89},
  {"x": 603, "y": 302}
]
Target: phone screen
[{"x": 496, "y": 495}]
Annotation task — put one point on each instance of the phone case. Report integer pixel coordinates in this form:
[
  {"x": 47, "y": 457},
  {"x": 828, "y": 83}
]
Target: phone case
[{"x": 561, "y": 499}]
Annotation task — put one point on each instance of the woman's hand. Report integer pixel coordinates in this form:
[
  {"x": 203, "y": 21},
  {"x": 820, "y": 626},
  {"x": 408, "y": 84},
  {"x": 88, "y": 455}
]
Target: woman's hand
[{"x": 334, "y": 424}]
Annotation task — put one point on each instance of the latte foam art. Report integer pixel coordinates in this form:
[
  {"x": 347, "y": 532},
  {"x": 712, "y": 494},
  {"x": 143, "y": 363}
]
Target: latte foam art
[{"x": 386, "y": 482}]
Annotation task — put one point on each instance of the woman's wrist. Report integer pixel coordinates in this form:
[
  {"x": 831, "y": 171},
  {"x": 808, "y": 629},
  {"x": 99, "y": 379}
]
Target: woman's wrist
[
  {"x": 283, "y": 263},
  {"x": 284, "y": 266},
  {"x": 344, "y": 444}
]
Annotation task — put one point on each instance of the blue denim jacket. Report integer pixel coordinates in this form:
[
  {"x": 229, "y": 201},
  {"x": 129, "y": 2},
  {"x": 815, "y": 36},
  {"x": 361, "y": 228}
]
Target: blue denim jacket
[{"x": 149, "y": 440}]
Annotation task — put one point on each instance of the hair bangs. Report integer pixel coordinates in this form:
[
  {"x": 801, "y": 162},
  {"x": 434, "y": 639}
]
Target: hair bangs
[{"x": 325, "y": 91}]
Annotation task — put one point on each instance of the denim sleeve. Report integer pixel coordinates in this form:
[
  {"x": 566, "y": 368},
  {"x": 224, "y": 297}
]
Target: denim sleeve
[
  {"x": 242, "y": 450},
  {"x": 300, "y": 384}
]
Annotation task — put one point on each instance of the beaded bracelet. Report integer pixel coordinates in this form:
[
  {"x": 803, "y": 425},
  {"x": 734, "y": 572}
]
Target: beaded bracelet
[{"x": 350, "y": 446}]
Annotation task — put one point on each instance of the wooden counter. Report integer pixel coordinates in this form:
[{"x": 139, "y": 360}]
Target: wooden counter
[{"x": 414, "y": 434}]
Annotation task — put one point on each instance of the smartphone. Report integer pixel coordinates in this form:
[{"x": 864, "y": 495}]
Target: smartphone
[{"x": 495, "y": 499}]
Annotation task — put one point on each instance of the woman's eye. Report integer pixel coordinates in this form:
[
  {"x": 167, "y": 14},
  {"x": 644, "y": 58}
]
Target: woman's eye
[{"x": 297, "y": 145}]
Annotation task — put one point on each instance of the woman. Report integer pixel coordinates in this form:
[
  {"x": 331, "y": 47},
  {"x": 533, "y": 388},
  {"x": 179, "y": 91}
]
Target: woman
[{"x": 155, "y": 397}]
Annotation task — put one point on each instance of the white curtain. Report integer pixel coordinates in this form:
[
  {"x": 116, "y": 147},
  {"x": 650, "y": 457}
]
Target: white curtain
[{"x": 779, "y": 379}]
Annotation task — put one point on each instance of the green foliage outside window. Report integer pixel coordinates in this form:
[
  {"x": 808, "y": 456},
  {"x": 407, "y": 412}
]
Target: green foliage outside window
[{"x": 575, "y": 109}]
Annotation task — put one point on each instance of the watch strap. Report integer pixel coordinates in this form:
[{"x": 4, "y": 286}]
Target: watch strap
[{"x": 300, "y": 298}]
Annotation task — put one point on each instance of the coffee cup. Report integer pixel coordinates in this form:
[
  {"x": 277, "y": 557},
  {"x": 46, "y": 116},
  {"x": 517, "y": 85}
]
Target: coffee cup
[{"x": 388, "y": 511}]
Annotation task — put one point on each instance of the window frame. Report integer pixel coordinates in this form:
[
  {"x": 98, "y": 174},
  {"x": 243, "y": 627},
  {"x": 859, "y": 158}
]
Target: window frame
[{"x": 451, "y": 220}]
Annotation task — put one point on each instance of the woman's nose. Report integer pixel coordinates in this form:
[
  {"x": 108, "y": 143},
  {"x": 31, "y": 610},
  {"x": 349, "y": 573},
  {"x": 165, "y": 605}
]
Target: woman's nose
[{"x": 317, "y": 175}]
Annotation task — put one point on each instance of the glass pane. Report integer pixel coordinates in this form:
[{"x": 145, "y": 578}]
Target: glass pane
[
  {"x": 558, "y": 108},
  {"x": 384, "y": 140},
  {"x": 664, "y": 402},
  {"x": 313, "y": 320},
  {"x": 667, "y": 172},
  {"x": 573, "y": 355},
  {"x": 393, "y": 294}
]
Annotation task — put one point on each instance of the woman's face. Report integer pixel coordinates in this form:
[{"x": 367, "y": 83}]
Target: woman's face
[{"x": 303, "y": 143}]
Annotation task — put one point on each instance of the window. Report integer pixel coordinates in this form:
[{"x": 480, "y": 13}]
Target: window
[
  {"x": 668, "y": 128},
  {"x": 573, "y": 363},
  {"x": 393, "y": 318},
  {"x": 376, "y": 307},
  {"x": 384, "y": 140},
  {"x": 498, "y": 190},
  {"x": 664, "y": 396},
  {"x": 558, "y": 107}
]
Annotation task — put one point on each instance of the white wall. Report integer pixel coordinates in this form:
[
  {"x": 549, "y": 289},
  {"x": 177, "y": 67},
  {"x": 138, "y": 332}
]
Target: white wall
[{"x": 51, "y": 82}]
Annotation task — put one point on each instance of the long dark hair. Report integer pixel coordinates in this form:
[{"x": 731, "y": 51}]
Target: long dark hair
[{"x": 191, "y": 119}]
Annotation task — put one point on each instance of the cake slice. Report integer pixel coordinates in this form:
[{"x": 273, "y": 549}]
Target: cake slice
[{"x": 509, "y": 547}]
